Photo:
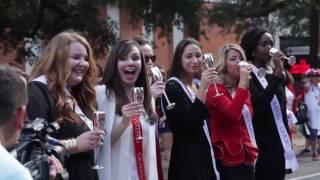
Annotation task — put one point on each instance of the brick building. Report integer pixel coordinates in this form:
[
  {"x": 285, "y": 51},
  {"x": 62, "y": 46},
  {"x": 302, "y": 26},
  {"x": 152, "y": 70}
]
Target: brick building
[{"x": 164, "y": 46}]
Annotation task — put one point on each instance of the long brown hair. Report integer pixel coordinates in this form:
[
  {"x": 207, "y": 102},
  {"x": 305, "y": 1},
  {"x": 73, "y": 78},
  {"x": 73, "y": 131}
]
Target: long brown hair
[
  {"x": 112, "y": 80},
  {"x": 176, "y": 68},
  {"x": 53, "y": 63}
]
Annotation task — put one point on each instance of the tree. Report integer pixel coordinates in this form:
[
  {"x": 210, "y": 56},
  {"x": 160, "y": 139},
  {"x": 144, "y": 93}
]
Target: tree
[
  {"x": 44, "y": 18},
  {"x": 300, "y": 17}
]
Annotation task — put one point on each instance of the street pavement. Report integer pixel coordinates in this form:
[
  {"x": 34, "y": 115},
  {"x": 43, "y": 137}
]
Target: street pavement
[{"x": 308, "y": 169}]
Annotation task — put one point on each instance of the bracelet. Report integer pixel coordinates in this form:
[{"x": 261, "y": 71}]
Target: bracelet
[{"x": 70, "y": 145}]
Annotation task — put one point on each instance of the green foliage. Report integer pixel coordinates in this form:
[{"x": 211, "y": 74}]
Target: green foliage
[
  {"x": 287, "y": 14},
  {"x": 45, "y": 18}
]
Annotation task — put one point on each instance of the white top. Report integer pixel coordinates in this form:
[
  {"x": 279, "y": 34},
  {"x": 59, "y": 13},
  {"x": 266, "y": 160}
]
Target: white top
[
  {"x": 10, "y": 168},
  {"x": 119, "y": 159},
  {"x": 311, "y": 99}
]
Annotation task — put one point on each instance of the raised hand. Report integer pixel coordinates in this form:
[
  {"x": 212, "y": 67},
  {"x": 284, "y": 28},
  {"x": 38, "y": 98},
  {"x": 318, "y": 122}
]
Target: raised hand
[{"x": 129, "y": 110}]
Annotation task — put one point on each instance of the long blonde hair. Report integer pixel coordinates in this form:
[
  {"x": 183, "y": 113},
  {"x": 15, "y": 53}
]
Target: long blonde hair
[
  {"x": 53, "y": 63},
  {"x": 221, "y": 62}
]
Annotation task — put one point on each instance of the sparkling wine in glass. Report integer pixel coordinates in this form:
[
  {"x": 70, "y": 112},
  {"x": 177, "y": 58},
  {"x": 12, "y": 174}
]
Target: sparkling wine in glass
[
  {"x": 208, "y": 61},
  {"x": 138, "y": 95},
  {"x": 156, "y": 75},
  {"x": 98, "y": 123}
]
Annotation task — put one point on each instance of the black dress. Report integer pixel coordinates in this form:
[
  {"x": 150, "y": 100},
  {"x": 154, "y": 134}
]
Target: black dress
[
  {"x": 190, "y": 155},
  {"x": 270, "y": 163},
  {"x": 79, "y": 165}
]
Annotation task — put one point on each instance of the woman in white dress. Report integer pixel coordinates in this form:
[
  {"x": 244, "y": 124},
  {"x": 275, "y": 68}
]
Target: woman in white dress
[
  {"x": 122, "y": 150},
  {"x": 312, "y": 100}
]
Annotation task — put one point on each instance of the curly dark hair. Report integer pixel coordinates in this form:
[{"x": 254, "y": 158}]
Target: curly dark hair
[{"x": 250, "y": 39}]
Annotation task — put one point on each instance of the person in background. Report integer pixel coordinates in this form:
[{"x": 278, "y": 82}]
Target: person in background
[
  {"x": 129, "y": 148},
  {"x": 291, "y": 102},
  {"x": 150, "y": 60},
  {"x": 61, "y": 89},
  {"x": 312, "y": 100},
  {"x": 191, "y": 156},
  {"x": 231, "y": 116},
  {"x": 13, "y": 101},
  {"x": 269, "y": 105}
]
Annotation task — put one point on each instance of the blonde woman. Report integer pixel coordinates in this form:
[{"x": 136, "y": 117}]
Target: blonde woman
[
  {"x": 231, "y": 116},
  {"x": 62, "y": 90}
]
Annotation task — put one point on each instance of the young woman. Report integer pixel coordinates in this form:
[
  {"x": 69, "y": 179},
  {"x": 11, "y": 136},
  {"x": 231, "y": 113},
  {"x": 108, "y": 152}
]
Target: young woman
[
  {"x": 62, "y": 90},
  {"x": 269, "y": 106},
  {"x": 156, "y": 88},
  {"x": 126, "y": 156},
  {"x": 191, "y": 155},
  {"x": 231, "y": 116}
]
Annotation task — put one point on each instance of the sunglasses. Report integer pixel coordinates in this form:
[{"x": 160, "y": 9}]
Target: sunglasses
[{"x": 148, "y": 58}]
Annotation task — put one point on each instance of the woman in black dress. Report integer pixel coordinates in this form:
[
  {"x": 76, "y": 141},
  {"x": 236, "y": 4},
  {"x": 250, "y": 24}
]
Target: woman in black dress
[
  {"x": 191, "y": 155},
  {"x": 269, "y": 104},
  {"x": 62, "y": 90}
]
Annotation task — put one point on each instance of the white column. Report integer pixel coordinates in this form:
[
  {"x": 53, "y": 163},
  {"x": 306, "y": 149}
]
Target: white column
[
  {"x": 148, "y": 35},
  {"x": 177, "y": 35},
  {"x": 114, "y": 13}
]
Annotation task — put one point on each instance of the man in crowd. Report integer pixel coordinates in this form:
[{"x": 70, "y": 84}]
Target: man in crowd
[{"x": 13, "y": 101}]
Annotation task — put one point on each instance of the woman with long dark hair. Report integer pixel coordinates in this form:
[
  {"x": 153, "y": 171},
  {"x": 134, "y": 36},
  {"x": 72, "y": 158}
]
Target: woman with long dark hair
[
  {"x": 125, "y": 155},
  {"x": 191, "y": 155}
]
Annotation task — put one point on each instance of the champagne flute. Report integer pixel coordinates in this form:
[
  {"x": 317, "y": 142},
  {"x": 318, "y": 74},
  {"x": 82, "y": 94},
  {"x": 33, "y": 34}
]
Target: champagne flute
[
  {"x": 156, "y": 75},
  {"x": 291, "y": 60},
  {"x": 138, "y": 95},
  {"x": 208, "y": 61},
  {"x": 98, "y": 123}
]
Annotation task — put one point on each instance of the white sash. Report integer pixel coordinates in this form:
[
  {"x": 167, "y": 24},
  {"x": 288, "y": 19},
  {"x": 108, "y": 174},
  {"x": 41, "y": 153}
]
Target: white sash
[
  {"x": 290, "y": 157},
  {"x": 205, "y": 128},
  {"x": 83, "y": 117},
  {"x": 248, "y": 120}
]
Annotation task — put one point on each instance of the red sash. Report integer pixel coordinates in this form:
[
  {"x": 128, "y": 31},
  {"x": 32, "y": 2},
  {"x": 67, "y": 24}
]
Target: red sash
[{"x": 137, "y": 132}]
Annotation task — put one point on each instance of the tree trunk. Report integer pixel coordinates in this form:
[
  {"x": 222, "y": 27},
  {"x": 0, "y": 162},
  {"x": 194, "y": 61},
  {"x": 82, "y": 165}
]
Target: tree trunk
[{"x": 314, "y": 37}]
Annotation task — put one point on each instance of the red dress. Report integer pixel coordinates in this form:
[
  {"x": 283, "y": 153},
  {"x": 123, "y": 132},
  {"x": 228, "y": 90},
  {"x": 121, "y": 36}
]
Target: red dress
[{"x": 229, "y": 136}]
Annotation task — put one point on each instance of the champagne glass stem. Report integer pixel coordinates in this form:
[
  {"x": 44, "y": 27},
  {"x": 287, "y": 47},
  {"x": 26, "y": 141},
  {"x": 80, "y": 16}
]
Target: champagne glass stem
[
  {"x": 165, "y": 95},
  {"x": 216, "y": 89}
]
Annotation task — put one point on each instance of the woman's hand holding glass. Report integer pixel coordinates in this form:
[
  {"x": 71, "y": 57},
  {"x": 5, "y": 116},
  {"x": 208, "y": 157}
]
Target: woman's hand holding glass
[
  {"x": 90, "y": 140},
  {"x": 157, "y": 89},
  {"x": 208, "y": 77},
  {"x": 157, "y": 77},
  {"x": 130, "y": 110},
  {"x": 245, "y": 70}
]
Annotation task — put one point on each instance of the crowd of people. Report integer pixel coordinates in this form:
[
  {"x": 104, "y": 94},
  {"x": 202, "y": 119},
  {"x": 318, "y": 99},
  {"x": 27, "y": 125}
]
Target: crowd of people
[{"x": 229, "y": 121}]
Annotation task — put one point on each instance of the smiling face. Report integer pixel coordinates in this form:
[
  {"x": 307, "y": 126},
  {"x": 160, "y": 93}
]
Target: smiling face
[
  {"x": 78, "y": 63},
  {"x": 191, "y": 59},
  {"x": 129, "y": 67},
  {"x": 233, "y": 57},
  {"x": 262, "y": 49}
]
